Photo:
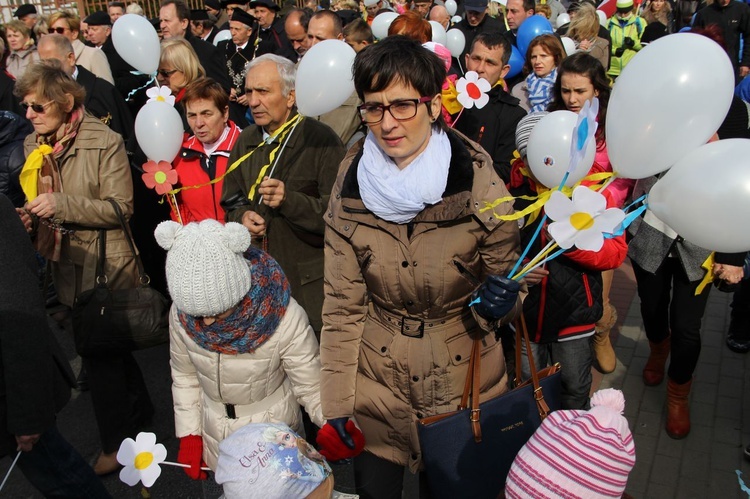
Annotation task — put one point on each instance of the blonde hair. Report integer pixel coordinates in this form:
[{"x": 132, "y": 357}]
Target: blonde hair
[
  {"x": 41, "y": 26},
  {"x": 662, "y": 16},
  {"x": 544, "y": 9},
  {"x": 180, "y": 55},
  {"x": 585, "y": 24},
  {"x": 134, "y": 8},
  {"x": 74, "y": 22}
]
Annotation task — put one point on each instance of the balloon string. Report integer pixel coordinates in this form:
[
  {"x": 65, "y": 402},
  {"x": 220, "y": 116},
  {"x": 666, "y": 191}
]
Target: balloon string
[
  {"x": 152, "y": 79},
  {"x": 12, "y": 465}
]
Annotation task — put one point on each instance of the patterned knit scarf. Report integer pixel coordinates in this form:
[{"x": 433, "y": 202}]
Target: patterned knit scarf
[
  {"x": 539, "y": 90},
  {"x": 256, "y": 317}
]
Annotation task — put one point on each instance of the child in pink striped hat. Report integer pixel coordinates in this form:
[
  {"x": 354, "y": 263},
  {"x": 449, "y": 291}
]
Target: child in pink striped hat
[{"x": 576, "y": 454}]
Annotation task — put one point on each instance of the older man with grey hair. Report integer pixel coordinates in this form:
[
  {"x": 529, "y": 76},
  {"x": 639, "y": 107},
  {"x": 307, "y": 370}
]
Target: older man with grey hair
[{"x": 280, "y": 189}]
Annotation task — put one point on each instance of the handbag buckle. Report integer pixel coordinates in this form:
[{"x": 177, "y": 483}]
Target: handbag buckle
[
  {"x": 413, "y": 328},
  {"x": 475, "y": 415},
  {"x": 538, "y": 395}
]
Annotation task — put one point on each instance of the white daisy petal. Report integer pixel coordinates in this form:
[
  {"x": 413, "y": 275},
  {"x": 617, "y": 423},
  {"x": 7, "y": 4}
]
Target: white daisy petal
[
  {"x": 484, "y": 85},
  {"x": 150, "y": 474},
  {"x": 126, "y": 453},
  {"x": 589, "y": 239},
  {"x": 144, "y": 442},
  {"x": 609, "y": 220},
  {"x": 461, "y": 85},
  {"x": 482, "y": 100},
  {"x": 160, "y": 453},
  {"x": 563, "y": 233},
  {"x": 152, "y": 92},
  {"x": 592, "y": 202},
  {"x": 130, "y": 475},
  {"x": 559, "y": 207},
  {"x": 472, "y": 76},
  {"x": 465, "y": 100}
]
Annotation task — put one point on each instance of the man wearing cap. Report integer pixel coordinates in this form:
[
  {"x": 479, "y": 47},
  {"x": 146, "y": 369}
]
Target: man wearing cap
[
  {"x": 102, "y": 98},
  {"x": 272, "y": 38},
  {"x": 626, "y": 30},
  {"x": 26, "y": 13},
  {"x": 494, "y": 125},
  {"x": 216, "y": 13},
  {"x": 99, "y": 28},
  {"x": 68, "y": 25},
  {"x": 733, "y": 18},
  {"x": 115, "y": 10},
  {"x": 295, "y": 27},
  {"x": 175, "y": 23},
  {"x": 238, "y": 52},
  {"x": 202, "y": 26},
  {"x": 281, "y": 198},
  {"x": 344, "y": 120},
  {"x": 477, "y": 21}
]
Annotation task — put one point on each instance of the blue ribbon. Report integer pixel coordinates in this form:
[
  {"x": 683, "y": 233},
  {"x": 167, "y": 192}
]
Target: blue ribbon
[{"x": 149, "y": 82}]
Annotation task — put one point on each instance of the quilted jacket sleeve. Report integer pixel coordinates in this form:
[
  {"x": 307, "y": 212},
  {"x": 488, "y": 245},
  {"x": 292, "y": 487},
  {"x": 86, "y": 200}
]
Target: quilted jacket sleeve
[{"x": 186, "y": 390}]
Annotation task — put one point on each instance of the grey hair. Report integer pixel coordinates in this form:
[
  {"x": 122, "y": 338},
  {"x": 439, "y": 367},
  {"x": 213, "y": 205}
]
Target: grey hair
[
  {"x": 62, "y": 45},
  {"x": 285, "y": 67}
]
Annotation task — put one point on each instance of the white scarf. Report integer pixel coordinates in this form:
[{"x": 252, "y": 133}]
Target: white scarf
[{"x": 399, "y": 195}]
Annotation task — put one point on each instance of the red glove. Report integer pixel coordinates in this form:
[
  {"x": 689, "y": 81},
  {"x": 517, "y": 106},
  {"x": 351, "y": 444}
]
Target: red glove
[
  {"x": 191, "y": 453},
  {"x": 332, "y": 446}
]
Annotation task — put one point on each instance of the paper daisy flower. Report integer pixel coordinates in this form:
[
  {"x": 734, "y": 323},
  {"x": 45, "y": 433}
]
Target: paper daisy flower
[
  {"x": 141, "y": 458},
  {"x": 583, "y": 220},
  {"x": 159, "y": 176},
  {"x": 472, "y": 91},
  {"x": 160, "y": 94}
]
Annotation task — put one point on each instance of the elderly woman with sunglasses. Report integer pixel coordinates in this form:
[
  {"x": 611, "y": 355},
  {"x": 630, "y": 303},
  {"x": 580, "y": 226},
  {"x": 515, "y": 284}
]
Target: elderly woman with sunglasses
[
  {"x": 71, "y": 148},
  {"x": 406, "y": 251},
  {"x": 178, "y": 67}
]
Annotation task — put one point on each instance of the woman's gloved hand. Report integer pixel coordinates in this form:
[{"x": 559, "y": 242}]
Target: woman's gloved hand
[
  {"x": 495, "y": 297},
  {"x": 340, "y": 439},
  {"x": 191, "y": 453}
]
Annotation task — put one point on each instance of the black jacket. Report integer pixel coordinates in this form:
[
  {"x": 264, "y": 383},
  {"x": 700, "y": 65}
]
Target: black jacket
[
  {"x": 13, "y": 129},
  {"x": 8, "y": 101},
  {"x": 35, "y": 377},
  {"x": 106, "y": 104},
  {"x": 494, "y": 127},
  {"x": 274, "y": 41},
  {"x": 125, "y": 80},
  {"x": 734, "y": 21},
  {"x": 211, "y": 59},
  {"x": 488, "y": 24}
]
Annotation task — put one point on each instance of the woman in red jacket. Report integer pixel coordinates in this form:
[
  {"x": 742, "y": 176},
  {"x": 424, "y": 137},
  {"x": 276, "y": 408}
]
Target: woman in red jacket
[{"x": 204, "y": 155}]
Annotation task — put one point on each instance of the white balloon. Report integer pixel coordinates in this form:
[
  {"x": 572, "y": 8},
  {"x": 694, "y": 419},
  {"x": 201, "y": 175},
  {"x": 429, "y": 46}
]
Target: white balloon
[
  {"x": 324, "y": 77},
  {"x": 569, "y": 45},
  {"x": 136, "y": 41},
  {"x": 602, "y": 17},
  {"x": 381, "y": 23},
  {"x": 562, "y": 20},
  {"x": 222, "y": 35},
  {"x": 456, "y": 41},
  {"x": 689, "y": 91},
  {"x": 451, "y": 6},
  {"x": 456, "y": 19},
  {"x": 705, "y": 197},
  {"x": 159, "y": 130},
  {"x": 438, "y": 33},
  {"x": 548, "y": 150}
]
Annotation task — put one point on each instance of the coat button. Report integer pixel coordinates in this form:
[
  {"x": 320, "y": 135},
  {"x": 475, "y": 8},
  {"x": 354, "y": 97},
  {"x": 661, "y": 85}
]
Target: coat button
[
  {"x": 415, "y": 264},
  {"x": 330, "y": 215},
  {"x": 410, "y": 303},
  {"x": 419, "y": 416},
  {"x": 383, "y": 349},
  {"x": 404, "y": 264},
  {"x": 415, "y": 379},
  {"x": 414, "y": 456},
  {"x": 346, "y": 227},
  {"x": 338, "y": 196},
  {"x": 458, "y": 358}
]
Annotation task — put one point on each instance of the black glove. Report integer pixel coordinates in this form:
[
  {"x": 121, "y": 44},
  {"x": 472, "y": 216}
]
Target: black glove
[
  {"x": 339, "y": 424},
  {"x": 497, "y": 296},
  {"x": 629, "y": 42}
]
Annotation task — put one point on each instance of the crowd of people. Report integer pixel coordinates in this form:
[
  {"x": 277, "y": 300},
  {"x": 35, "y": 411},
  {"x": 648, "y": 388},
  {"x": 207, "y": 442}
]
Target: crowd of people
[{"x": 330, "y": 272}]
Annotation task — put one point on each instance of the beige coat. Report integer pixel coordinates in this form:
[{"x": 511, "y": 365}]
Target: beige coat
[
  {"x": 95, "y": 167},
  {"x": 94, "y": 60},
  {"x": 376, "y": 367},
  {"x": 267, "y": 385},
  {"x": 19, "y": 60},
  {"x": 345, "y": 119}
]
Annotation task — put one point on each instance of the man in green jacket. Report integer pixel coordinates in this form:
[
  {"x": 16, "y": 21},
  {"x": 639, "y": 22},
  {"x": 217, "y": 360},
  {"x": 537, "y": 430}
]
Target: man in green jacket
[
  {"x": 625, "y": 29},
  {"x": 279, "y": 189}
]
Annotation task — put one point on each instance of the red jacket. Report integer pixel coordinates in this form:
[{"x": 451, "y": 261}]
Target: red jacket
[{"x": 194, "y": 168}]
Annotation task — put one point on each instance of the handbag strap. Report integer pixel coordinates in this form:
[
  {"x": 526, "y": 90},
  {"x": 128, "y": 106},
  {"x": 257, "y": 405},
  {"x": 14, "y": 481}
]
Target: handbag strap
[
  {"x": 541, "y": 404},
  {"x": 101, "y": 242},
  {"x": 143, "y": 277}
]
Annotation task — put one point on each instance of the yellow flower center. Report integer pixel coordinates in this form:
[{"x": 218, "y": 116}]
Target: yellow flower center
[
  {"x": 160, "y": 177},
  {"x": 160, "y": 98},
  {"x": 143, "y": 460},
  {"x": 581, "y": 220}
]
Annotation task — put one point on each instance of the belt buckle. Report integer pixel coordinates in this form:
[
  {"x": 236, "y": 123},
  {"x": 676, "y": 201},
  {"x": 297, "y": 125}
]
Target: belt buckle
[
  {"x": 413, "y": 328},
  {"x": 230, "y": 411}
]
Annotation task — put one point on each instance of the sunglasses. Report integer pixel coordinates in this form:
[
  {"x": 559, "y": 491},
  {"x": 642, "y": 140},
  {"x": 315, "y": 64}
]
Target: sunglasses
[
  {"x": 166, "y": 74},
  {"x": 59, "y": 30},
  {"x": 37, "y": 108}
]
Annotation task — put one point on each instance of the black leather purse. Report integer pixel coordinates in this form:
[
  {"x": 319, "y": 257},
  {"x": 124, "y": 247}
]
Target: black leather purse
[
  {"x": 114, "y": 321},
  {"x": 468, "y": 453}
]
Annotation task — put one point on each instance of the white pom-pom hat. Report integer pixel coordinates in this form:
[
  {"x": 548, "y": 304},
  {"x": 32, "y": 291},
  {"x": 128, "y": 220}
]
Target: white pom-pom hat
[
  {"x": 576, "y": 454},
  {"x": 206, "y": 272}
]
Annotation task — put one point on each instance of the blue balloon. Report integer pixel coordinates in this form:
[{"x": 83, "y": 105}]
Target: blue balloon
[
  {"x": 516, "y": 62},
  {"x": 531, "y": 28},
  {"x": 685, "y": 29}
]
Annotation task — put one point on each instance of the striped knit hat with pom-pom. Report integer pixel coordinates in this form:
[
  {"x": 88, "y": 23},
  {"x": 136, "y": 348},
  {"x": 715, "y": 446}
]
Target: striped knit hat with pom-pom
[
  {"x": 206, "y": 272},
  {"x": 576, "y": 454}
]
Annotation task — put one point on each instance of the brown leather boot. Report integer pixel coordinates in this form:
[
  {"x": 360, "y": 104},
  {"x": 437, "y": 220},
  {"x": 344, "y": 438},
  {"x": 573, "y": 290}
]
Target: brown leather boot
[
  {"x": 605, "y": 359},
  {"x": 653, "y": 372},
  {"x": 678, "y": 409}
]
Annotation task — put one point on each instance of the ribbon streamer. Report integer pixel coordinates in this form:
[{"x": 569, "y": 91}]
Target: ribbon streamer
[{"x": 132, "y": 93}]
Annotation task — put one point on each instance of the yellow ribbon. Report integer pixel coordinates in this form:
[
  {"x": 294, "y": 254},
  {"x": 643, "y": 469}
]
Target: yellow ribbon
[
  {"x": 709, "y": 277},
  {"x": 29, "y": 177}
]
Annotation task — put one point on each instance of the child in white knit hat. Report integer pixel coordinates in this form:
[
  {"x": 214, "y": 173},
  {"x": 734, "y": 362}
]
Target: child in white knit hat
[{"x": 241, "y": 348}]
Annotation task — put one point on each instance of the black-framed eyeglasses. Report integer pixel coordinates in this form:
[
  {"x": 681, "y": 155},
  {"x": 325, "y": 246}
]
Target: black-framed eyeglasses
[
  {"x": 37, "y": 108},
  {"x": 401, "y": 110},
  {"x": 166, "y": 74},
  {"x": 59, "y": 30}
]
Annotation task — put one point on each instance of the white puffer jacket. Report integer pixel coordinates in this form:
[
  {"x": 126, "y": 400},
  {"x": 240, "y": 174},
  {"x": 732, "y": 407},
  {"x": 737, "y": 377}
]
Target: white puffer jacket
[{"x": 265, "y": 386}]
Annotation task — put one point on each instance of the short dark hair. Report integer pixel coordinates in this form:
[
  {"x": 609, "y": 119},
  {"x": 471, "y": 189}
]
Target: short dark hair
[
  {"x": 304, "y": 16},
  {"x": 182, "y": 9},
  {"x": 399, "y": 59},
  {"x": 493, "y": 40},
  {"x": 359, "y": 31},
  {"x": 117, "y": 4},
  {"x": 338, "y": 28},
  {"x": 551, "y": 44},
  {"x": 529, "y": 5},
  {"x": 207, "y": 89}
]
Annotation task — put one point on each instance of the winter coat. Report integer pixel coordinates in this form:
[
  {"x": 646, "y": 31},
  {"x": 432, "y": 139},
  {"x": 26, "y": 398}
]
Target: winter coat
[
  {"x": 19, "y": 60},
  {"x": 398, "y": 331},
  {"x": 265, "y": 386},
  {"x": 633, "y": 29},
  {"x": 734, "y": 21},
  {"x": 13, "y": 131},
  {"x": 105, "y": 102},
  {"x": 273, "y": 40},
  {"x": 194, "y": 168},
  {"x": 94, "y": 168},
  {"x": 94, "y": 60},
  {"x": 294, "y": 231}
]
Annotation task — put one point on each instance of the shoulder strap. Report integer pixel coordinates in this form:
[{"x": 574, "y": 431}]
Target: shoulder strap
[{"x": 143, "y": 278}]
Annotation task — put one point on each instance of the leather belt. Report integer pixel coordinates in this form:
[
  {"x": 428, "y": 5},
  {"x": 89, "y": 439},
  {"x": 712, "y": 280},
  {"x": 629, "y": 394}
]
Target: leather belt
[{"x": 414, "y": 327}]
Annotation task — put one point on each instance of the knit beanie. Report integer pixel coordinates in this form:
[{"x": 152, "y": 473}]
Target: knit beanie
[
  {"x": 270, "y": 460},
  {"x": 576, "y": 454},
  {"x": 524, "y": 128},
  {"x": 206, "y": 272}
]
